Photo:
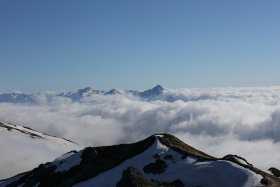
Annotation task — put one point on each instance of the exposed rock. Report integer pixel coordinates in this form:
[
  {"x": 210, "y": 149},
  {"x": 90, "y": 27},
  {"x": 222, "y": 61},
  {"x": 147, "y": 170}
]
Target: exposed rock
[
  {"x": 157, "y": 167},
  {"x": 156, "y": 156},
  {"x": 131, "y": 177},
  {"x": 264, "y": 181},
  {"x": 175, "y": 183},
  {"x": 274, "y": 171},
  {"x": 238, "y": 159}
]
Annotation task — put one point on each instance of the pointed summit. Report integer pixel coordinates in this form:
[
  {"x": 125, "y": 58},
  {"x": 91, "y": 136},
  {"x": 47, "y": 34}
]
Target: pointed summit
[
  {"x": 155, "y": 91},
  {"x": 84, "y": 90},
  {"x": 158, "y": 88},
  {"x": 113, "y": 92},
  {"x": 80, "y": 93}
]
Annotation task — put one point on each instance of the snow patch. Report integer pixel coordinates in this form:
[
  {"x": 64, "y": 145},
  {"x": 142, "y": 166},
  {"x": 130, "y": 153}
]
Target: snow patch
[{"x": 67, "y": 161}]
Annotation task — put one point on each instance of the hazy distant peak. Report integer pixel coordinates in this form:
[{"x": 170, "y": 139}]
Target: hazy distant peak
[
  {"x": 153, "y": 92},
  {"x": 84, "y": 90},
  {"x": 114, "y": 92},
  {"x": 158, "y": 87}
]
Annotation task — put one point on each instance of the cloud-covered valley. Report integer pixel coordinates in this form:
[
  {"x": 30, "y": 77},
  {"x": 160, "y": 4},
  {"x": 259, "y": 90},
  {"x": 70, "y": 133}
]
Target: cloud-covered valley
[{"x": 218, "y": 121}]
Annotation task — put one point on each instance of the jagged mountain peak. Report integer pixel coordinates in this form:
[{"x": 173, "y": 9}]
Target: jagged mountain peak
[
  {"x": 114, "y": 92},
  {"x": 158, "y": 87},
  {"x": 84, "y": 90},
  {"x": 159, "y": 160},
  {"x": 87, "y": 91},
  {"x": 153, "y": 92}
]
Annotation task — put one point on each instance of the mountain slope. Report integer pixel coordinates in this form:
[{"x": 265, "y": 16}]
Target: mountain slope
[
  {"x": 81, "y": 93},
  {"x": 23, "y": 148},
  {"x": 114, "y": 92},
  {"x": 159, "y": 160},
  {"x": 151, "y": 93},
  {"x": 32, "y": 133}
]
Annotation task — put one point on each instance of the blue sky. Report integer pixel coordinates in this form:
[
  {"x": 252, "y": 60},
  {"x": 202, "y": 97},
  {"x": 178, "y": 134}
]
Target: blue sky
[{"x": 67, "y": 44}]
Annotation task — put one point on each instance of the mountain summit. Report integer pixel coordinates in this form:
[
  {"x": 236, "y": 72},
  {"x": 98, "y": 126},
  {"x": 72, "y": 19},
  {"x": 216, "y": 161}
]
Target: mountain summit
[
  {"x": 159, "y": 160},
  {"x": 113, "y": 92},
  {"x": 155, "y": 91}
]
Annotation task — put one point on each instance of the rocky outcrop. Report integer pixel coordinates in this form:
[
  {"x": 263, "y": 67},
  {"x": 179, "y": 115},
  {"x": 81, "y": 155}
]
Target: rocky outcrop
[
  {"x": 131, "y": 177},
  {"x": 157, "y": 167},
  {"x": 274, "y": 171}
]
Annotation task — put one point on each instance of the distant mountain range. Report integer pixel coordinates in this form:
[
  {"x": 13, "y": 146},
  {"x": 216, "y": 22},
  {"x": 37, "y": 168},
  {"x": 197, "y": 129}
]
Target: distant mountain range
[
  {"x": 158, "y": 92},
  {"x": 33, "y": 98},
  {"x": 160, "y": 160}
]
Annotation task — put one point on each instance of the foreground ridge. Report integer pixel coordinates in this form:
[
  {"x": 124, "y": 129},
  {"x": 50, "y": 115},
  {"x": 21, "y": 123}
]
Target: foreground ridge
[{"x": 159, "y": 160}]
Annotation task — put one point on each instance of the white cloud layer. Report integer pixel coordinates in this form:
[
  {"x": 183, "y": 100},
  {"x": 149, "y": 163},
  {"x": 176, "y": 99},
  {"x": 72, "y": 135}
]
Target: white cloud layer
[{"x": 243, "y": 121}]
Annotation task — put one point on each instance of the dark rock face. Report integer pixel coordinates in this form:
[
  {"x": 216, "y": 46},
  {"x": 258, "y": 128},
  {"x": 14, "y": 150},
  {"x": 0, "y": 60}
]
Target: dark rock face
[
  {"x": 157, "y": 167},
  {"x": 131, "y": 177},
  {"x": 156, "y": 156},
  {"x": 264, "y": 181},
  {"x": 274, "y": 171},
  {"x": 234, "y": 158}
]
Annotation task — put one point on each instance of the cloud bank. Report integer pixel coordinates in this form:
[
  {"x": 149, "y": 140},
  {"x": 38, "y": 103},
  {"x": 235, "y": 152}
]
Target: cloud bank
[{"x": 243, "y": 121}]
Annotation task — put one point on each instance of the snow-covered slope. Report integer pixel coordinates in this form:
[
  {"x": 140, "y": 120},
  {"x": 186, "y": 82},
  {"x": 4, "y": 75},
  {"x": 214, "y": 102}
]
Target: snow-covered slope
[
  {"x": 29, "y": 146},
  {"x": 81, "y": 93},
  {"x": 32, "y": 133},
  {"x": 160, "y": 160}
]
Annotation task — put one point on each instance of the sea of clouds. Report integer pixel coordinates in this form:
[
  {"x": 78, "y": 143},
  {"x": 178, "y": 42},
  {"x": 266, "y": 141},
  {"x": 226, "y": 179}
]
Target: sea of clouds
[{"x": 218, "y": 121}]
